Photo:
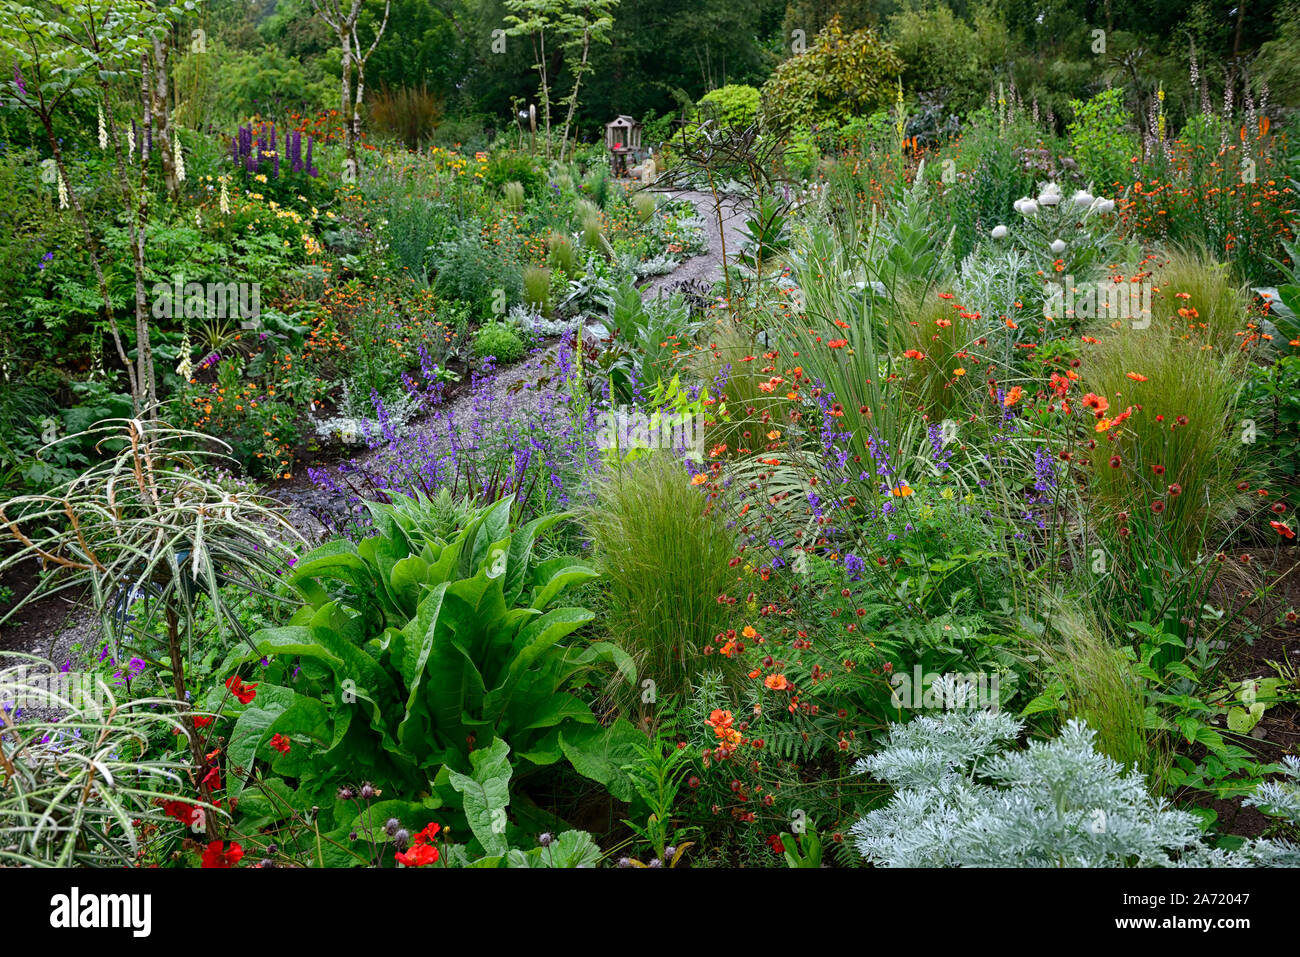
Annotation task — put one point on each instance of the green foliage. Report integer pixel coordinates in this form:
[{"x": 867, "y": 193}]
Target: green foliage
[
  {"x": 469, "y": 271},
  {"x": 415, "y": 226},
  {"x": 658, "y": 775},
  {"x": 1200, "y": 457},
  {"x": 537, "y": 288},
  {"x": 839, "y": 76},
  {"x": 1271, "y": 397},
  {"x": 509, "y": 167},
  {"x": 1102, "y": 139},
  {"x": 413, "y": 652},
  {"x": 944, "y": 55},
  {"x": 650, "y": 328},
  {"x": 501, "y": 340},
  {"x": 734, "y": 104}
]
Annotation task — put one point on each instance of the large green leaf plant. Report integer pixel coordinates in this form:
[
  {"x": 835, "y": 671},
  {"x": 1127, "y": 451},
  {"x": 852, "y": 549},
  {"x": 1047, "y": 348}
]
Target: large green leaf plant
[{"x": 437, "y": 637}]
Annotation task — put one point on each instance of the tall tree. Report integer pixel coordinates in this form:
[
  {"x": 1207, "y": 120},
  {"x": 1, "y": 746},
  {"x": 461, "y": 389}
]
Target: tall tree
[
  {"x": 344, "y": 26},
  {"x": 585, "y": 23},
  {"x": 83, "y": 50},
  {"x": 533, "y": 19}
]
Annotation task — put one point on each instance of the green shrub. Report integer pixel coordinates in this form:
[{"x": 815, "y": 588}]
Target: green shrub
[
  {"x": 841, "y": 75},
  {"x": 1102, "y": 138},
  {"x": 414, "y": 226},
  {"x": 469, "y": 271},
  {"x": 499, "y": 340},
  {"x": 596, "y": 185},
  {"x": 508, "y": 166},
  {"x": 734, "y": 104}
]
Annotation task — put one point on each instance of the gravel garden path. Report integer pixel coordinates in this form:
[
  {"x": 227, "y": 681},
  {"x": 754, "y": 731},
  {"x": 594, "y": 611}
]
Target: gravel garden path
[
  {"x": 516, "y": 389},
  {"x": 54, "y": 627}
]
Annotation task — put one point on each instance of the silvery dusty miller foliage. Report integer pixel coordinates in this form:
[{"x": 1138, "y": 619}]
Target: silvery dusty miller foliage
[{"x": 966, "y": 798}]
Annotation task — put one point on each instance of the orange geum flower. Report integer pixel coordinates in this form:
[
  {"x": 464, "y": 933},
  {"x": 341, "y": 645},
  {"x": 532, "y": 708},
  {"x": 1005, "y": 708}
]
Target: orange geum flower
[
  {"x": 719, "y": 719},
  {"x": 1136, "y": 376},
  {"x": 1097, "y": 403},
  {"x": 777, "y": 682}
]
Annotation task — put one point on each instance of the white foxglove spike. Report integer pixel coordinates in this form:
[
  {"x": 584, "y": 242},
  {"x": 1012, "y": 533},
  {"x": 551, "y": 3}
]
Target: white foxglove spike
[{"x": 179, "y": 157}]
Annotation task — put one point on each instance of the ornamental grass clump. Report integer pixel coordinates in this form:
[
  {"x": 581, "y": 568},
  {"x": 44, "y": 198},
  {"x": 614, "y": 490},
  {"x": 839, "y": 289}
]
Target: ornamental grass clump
[
  {"x": 664, "y": 554},
  {"x": 78, "y": 789},
  {"x": 1198, "y": 296},
  {"x": 1163, "y": 443}
]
